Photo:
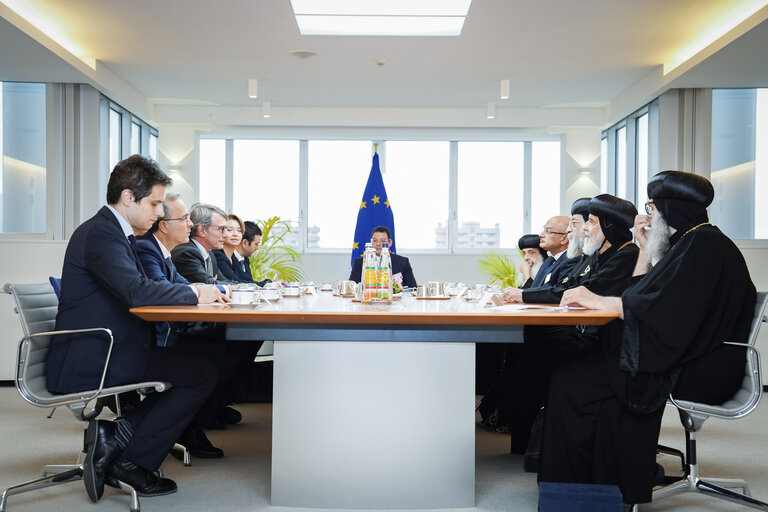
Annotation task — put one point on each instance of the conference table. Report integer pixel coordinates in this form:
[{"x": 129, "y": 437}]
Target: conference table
[{"x": 374, "y": 404}]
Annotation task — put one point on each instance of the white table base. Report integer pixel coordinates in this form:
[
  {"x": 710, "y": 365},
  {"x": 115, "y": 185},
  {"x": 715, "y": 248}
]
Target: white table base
[{"x": 373, "y": 425}]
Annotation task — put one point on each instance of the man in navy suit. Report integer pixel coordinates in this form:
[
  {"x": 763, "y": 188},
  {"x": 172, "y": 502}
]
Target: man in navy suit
[
  {"x": 400, "y": 264},
  {"x": 194, "y": 259},
  {"x": 101, "y": 279},
  {"x": 154, "y": 254}
]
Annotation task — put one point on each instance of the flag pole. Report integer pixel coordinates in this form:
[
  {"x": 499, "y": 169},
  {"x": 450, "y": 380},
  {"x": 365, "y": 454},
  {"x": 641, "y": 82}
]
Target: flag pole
[{"x": 375, "y": 147}]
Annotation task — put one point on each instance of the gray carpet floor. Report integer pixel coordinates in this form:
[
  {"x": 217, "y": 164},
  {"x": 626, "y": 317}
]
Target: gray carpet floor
[{"x": 241, "y": 480}]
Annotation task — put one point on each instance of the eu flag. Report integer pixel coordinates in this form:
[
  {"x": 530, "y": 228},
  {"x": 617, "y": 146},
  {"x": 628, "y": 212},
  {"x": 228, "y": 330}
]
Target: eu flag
[{"x": 374, "y": 211}]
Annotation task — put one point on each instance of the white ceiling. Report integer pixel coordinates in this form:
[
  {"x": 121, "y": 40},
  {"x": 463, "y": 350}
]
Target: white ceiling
[{"x": 569, "y": 53}]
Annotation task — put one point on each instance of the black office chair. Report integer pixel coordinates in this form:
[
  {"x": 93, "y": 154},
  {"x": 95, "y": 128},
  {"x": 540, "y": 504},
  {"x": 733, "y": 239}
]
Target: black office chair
[
  {"x": 37, "y": 305},
  {"x": 693, "y": 415}
]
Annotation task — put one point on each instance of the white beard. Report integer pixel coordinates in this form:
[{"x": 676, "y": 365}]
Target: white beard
[
  {"x": 535, "y": 269},
  {"x": 592, "y": 245},
  {"x": 658, "y": 241},
  {"x": 575, "y": 244}
]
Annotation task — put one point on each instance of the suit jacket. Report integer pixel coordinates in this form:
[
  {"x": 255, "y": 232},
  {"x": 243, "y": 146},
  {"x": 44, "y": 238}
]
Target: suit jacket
[
  {"x": 159, "y": 269},
  {"x": 559, "y": 270},
  {"x": 101, "y": 279},
  {"x": 190, "y": 264},
  {"x": 236, "y": 271},
  {"x": 399, "y": 264}
]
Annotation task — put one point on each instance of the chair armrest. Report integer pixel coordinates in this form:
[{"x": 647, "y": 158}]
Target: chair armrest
[
  {"x": 721, "y": 411},
  {"x": 27, "y": 341}
]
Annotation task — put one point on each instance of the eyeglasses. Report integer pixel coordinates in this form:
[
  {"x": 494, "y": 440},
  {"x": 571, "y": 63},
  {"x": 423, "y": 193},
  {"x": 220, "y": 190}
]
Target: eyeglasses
[
  {"x": 222, "y": 229},
  {"x": 548, "y": 231},
  {"x": 184, "y": 218},
  {"x": 379, "y": 242},
  {"x": 648, "y": 208}
]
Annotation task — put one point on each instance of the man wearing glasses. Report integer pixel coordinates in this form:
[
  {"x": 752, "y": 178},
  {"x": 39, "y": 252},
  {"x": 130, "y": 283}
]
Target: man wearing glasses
[
  {"x": 400, "y": 264},
  {"x": 193, "y": 259}
]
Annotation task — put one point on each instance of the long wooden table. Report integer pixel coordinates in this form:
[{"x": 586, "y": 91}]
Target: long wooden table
[{"x": 360, "y": 422}]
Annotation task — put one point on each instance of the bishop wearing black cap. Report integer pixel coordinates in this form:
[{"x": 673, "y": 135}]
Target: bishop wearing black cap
[
  {"x": 691, "y": 292},
  {"x": 533, "y": 257},
  {"x": 610, "y": 259}
]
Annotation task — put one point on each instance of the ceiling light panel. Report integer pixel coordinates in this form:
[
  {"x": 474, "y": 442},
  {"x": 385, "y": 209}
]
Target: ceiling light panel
[
  {"x": 380, "y": 8},
  {"x": 380, "y": 25},
  {"x": 377, "y": 18}
]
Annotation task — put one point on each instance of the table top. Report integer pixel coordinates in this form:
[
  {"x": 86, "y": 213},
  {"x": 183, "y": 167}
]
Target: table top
[{"x": 327, "y": 308}]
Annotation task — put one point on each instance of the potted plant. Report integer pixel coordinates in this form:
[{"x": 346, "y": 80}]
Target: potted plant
[
  {"x": 275, "y": 259},
  {"x": 499, "y": 268}
]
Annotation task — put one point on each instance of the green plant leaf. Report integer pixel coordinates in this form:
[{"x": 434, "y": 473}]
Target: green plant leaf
[
  {"x": 499, "y": 268},
  {"x": 275, "y": 260}
]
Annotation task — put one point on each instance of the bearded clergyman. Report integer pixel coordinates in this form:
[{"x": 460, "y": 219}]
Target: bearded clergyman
[
  {"x": 609, "y": 260},
  {"x": 691, "y": 292}
]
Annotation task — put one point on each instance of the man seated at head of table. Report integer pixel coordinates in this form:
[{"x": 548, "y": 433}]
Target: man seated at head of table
[
  {"x": 194, "y": 259},
  {"x": 400, "y": 265},
  {"x": 610, "y": 260},
  {"x": 101, "y": 280},
  {"x": 690, "y": 293},
  {"x": 533, "y": 257},
  {"x": 154, "y": 254}
]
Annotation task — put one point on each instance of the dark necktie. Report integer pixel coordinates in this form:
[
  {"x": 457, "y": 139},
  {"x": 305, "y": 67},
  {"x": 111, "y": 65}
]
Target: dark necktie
[
  {"x": 543, "y": 271},
  {"x": 134, "y": 245},
  {"x": 172, "y": 268}
]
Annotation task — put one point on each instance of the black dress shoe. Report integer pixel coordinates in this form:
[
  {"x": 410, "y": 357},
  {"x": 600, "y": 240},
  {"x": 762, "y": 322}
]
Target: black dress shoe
[
  {"x": 229, "y": 416},
  {"x": 198, "y": 444},
  {"x": 144, "y": 482},
  {"x": 101, "y": 450}
]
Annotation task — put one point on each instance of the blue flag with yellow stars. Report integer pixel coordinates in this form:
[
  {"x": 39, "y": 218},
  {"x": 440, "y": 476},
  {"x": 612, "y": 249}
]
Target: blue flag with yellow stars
[{"x": 374, "y": 211}]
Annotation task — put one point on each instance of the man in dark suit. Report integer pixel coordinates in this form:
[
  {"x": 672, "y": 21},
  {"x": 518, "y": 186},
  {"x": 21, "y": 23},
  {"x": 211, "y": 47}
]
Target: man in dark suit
[
  {"x": 400, "y": 264},
  {"x": 101, "y": 279},
  {"x": 533, "y": 257},
  {"x": 193, "y": 259},
  {"x": 242, "y": 256},
  {"x": 154, "y": 254}
]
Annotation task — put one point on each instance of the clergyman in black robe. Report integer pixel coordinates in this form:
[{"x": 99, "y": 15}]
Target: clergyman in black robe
[
  {"x": 610, "y": 260},
  {"x": 604, "y": 411}
]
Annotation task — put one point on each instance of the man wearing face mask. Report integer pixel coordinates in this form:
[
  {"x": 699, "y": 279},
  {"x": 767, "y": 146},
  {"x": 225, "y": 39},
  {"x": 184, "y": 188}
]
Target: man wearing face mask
[{"x": 604, "y": 411}]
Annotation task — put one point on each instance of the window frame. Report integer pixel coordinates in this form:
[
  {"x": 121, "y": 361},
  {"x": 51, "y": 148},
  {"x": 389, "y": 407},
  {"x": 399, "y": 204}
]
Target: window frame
[{"x": 396, "y": 135}]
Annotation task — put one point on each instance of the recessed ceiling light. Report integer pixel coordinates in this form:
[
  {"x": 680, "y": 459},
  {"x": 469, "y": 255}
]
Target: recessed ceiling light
[
  {"x": 377, "y": 18},
  {"x": 303, "y": 54},
  {"x": 253, "y": 88}
]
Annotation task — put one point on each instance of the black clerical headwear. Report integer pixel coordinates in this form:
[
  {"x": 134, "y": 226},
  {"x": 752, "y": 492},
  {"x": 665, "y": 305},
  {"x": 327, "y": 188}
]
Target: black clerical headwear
[
  {"x": 581, "y": 207},
  {"x": 681, "y": 197},
  {"x": 531, "y": 242},
  {"x": 616, "y": 216}
]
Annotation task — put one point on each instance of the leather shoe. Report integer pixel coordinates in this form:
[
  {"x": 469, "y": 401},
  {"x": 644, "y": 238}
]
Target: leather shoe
[
  {"x": 198, "y": 444},
  {"x": 144, "y": 482},
  {"x": 229, "y": 416},
  {"x": 101, "y": 450}
]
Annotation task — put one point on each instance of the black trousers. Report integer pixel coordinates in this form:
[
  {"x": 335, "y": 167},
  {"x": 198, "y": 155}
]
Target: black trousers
[
  {"x": 162, "y": 417},
  {"x": 589, "y": 437}
]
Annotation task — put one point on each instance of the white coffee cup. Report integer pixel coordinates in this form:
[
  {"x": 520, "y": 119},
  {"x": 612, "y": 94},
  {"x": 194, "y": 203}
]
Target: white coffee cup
[
  {"x": 270, "y": 293},
  {"x": 242, "y": 296},
  {"x": 291, "y": 290}
]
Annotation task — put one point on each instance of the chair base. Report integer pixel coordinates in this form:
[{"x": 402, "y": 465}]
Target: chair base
[
  {"x": 56, "y": 474},
  {"x": 715, "y": 487}
]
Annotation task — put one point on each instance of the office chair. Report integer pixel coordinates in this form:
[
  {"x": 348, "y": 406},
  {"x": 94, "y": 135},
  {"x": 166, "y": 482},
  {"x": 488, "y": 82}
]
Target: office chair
[
  {"x": 692, "y": 416},
  {"x": 37, "y": 305}
]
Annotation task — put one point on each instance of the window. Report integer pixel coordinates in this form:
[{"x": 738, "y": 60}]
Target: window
[
  {"x": 739, "y": 162},
  {"x": 416, "y": 178},
  {"x": 490, "y": 194},
  {"x": 152, "y": 153},
  {"x": 212, "y": 172},
  {"x": 23, "y": 163},
  {"x": 337, "y": 174},
  {"x": 604, "y": 164},
  {"x": 266, "y": 174},
  {"x": 445, "y": 195},
  {"x": 135, "y": 138},
  {"x": 545, "y": 183},
  {"x": 621, "y": 162},
  {"x": 641, "y": 188},
  {"x": 115, "y": 138}
]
